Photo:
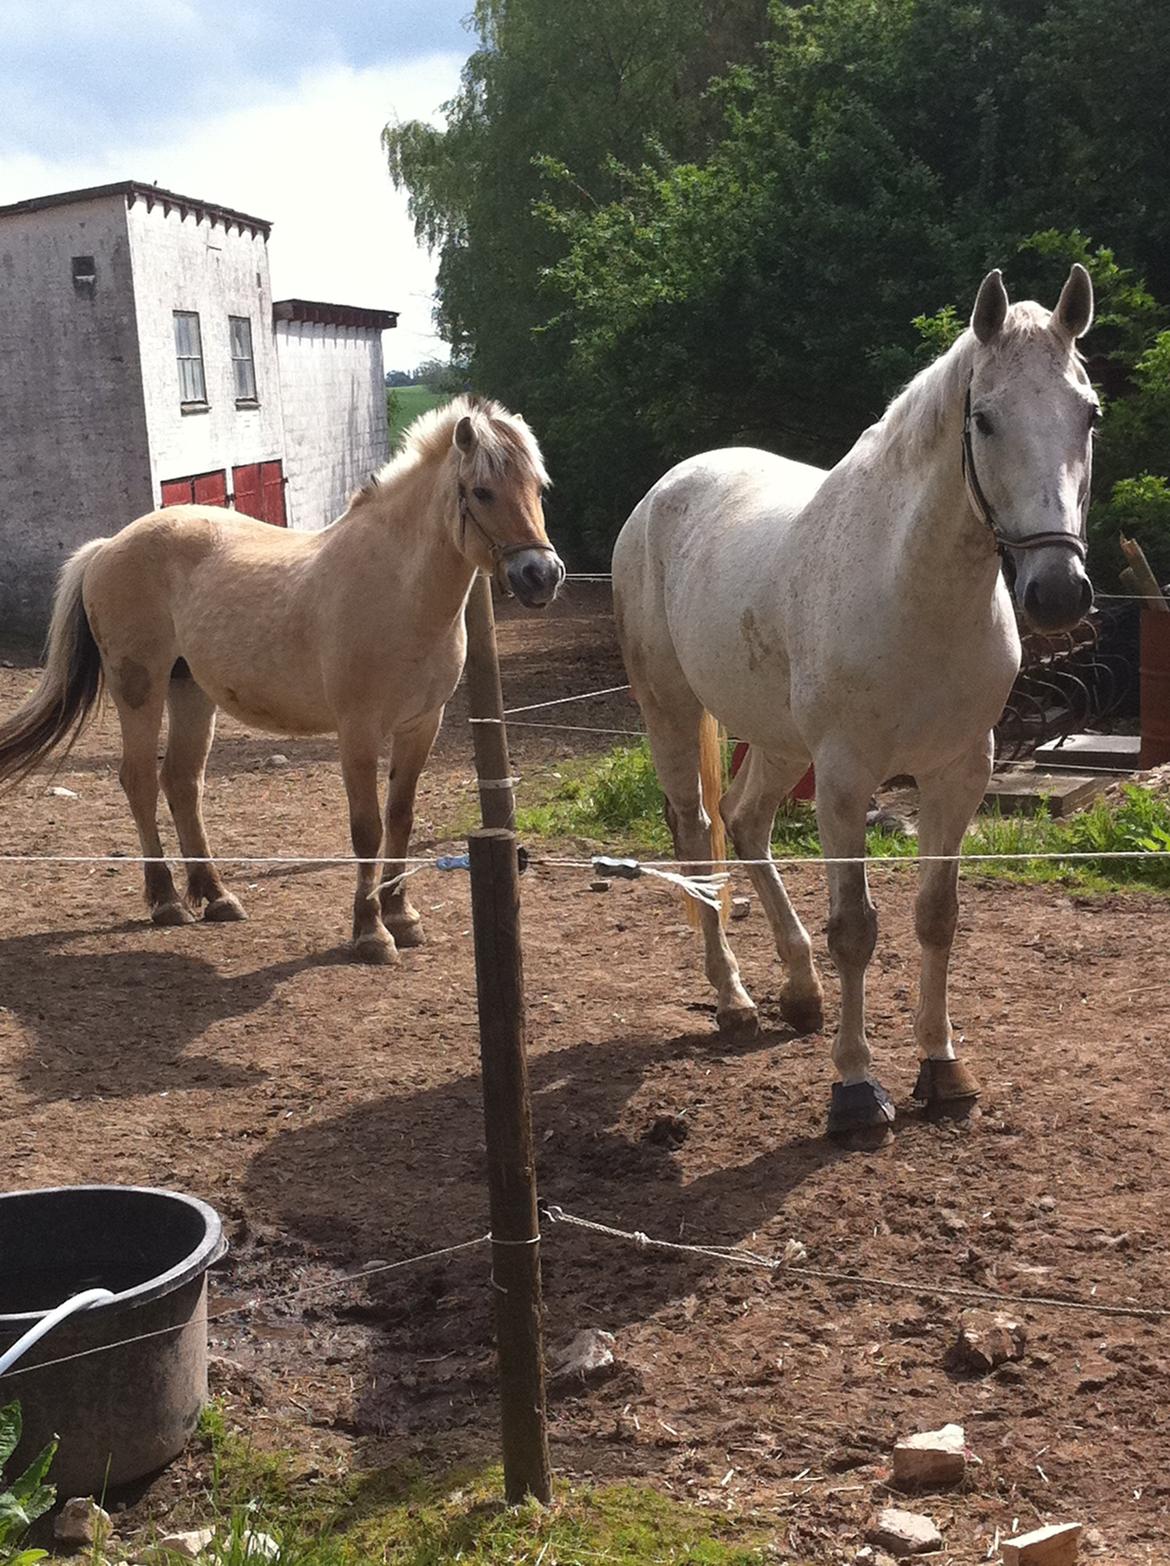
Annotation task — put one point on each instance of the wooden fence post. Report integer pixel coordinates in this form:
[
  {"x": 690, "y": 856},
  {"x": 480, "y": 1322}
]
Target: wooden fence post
[
  {"x": 495, "y": 908},
  {"x": 485, "y": 704}
]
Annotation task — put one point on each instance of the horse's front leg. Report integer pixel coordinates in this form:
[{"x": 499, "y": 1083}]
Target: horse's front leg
[
  {"x": 372, "y": 942},
  {"x": 947, "y": 801},
  {"x": 859, "y": 1102},
  {"x": 407, "y": 759}
]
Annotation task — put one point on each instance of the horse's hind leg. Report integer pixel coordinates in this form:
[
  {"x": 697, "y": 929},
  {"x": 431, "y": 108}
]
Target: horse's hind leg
[
  {"x": 190, "y": 731},
  {"x": 749, "y": 809},
  {"x": 407, "y": 759},
  {"x": 948, "y": 800},
  {"x": 139, "y": 696},
  {"x": 674, "y": 742}
]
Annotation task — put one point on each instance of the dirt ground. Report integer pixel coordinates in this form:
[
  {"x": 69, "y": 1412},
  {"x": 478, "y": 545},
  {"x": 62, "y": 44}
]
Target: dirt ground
[{"x": 332, "y": 1114}]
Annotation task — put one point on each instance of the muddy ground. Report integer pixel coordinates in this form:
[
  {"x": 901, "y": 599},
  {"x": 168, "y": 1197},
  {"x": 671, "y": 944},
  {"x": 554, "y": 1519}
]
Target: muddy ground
[{"x": 332, "y": 1114}]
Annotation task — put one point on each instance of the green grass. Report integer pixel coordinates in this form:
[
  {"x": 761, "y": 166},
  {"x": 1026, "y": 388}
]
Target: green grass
[
  {"x": 409, "y": 1519},
  {"x": 405, "y": 403},
  {"x": 615, "y": 804}
]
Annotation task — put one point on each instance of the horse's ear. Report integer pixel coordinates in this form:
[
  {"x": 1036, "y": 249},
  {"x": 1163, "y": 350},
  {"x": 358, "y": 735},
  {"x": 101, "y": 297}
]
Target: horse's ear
[
  {"x": 1073, "y": 315},
  {"x": 991, "y": 303},
  {"x": 465, "y": 435}
]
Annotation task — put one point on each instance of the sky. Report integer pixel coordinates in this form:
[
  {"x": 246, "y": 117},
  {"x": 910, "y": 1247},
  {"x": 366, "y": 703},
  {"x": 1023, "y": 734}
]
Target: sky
[{"x": 272, "y": 107}]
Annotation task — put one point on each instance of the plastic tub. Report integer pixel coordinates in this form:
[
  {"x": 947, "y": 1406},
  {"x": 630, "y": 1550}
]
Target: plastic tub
[{"x": 123, "y": 1409}]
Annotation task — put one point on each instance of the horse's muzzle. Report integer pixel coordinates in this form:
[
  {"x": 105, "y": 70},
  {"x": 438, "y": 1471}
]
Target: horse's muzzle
[
  {"x": 535, "y": 576},
  {"x": 1053, "y": 590}
]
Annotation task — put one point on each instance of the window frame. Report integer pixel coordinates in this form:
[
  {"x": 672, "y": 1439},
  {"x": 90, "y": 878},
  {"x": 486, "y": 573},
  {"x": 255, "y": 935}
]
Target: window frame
[
  {"x": 191, "y": 370},
  {"x": 244, "y": 397}
]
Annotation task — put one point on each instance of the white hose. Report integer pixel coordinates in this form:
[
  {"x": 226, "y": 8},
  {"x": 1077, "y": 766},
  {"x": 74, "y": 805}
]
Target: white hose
[{"x": 48, "y": 1321}]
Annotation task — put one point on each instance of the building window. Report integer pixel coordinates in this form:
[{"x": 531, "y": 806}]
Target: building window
[
  {"x": 243, "y": 365},
  {"x": 189, "y": 353},
  {"x": 84, "y": 274}
]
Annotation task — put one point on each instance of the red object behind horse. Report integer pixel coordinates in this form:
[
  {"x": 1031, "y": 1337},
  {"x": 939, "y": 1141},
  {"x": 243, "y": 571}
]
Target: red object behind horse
[{"x": 805, "y": 789}]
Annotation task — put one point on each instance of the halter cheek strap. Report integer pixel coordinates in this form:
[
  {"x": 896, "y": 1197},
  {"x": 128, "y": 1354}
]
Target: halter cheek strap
[
  {"x": 982, "y": 506},
  {"x": 499, "y": 552}
]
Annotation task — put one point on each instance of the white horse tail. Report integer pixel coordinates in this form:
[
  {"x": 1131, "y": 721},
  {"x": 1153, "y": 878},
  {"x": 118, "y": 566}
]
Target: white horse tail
[
  {"x": 57, "y": 711},
  {"x": 712, "y": 785}
]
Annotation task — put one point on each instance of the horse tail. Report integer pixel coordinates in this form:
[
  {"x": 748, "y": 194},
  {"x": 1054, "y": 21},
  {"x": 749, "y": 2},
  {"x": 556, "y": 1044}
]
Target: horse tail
[
  {"x": 57, "y": 711},
  {"x": 712, "y": 784}
]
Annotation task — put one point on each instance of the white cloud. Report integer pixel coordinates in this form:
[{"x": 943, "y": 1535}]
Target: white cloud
[{"x": 310, "y": 160}]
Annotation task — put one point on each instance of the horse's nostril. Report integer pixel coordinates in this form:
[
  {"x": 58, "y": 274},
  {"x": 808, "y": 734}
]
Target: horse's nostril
[{"x": 1032, "y": 598}]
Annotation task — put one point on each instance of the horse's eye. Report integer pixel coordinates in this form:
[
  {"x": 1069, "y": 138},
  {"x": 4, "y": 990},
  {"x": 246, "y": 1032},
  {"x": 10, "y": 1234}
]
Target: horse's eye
[
  {"x": 983, "y": 424},
  {"x": 484, "y": 496}
]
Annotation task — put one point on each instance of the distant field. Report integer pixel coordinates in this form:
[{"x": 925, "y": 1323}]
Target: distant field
[{"x": 405, "y": 403}]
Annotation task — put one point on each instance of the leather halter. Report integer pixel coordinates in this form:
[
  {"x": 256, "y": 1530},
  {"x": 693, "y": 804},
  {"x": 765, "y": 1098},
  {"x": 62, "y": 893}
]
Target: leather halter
[
  {"x": 499, "y": 552},
  {"x": 982, "y": 506}
]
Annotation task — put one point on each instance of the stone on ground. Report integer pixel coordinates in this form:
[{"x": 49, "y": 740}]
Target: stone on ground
[
  {"x": 931, "y": 1457},
  {"x": 174, "y": 1547},
  {"x": 988, "y": 1339},
  {"x": 588, "y": 1354},
  {"x": 1055, "y": 1545},
  {"x": 905, "y": 1533},
  {"x": 81, "y": 1521}
]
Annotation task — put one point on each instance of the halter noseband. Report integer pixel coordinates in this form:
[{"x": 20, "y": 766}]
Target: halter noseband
[
  {"x": 499, "y": 552},
  {"x": 982, "y": 507}
]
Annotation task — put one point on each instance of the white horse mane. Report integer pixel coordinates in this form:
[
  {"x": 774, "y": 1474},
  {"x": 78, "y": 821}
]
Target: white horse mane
[
  {"x": 916, "y": 417},
  {"x": 503, "y": 441}
]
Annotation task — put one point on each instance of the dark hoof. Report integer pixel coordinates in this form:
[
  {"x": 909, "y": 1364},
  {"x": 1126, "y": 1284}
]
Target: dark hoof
[
  {"x": 945, "y": 1082},
  {"x": 861, "y": 1110},
  {"x": 739, "y": 1022},
  {"x": 224, "y": 910},
  {"x": 802, "y": 1013},
  {"x": 409, "y": 933},
  {"x": 377, "y": 948},
  {"x": 170, "y": 914}
]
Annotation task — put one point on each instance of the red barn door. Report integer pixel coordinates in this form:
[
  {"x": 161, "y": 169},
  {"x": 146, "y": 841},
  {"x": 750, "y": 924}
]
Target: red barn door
[
  {"x": 177, "y": 492},
  {"x": 272, "y": 493},
  {"x": 246, "y": 484},
  {"x": 200, "y": 489},
  {"x": 259, "y": 490},
  {"x": 211, "y": 488}
]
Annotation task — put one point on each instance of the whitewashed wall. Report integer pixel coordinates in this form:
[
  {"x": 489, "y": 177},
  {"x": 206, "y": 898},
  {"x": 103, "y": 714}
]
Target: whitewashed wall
[
  {"x": 335, "y": 431},
  {"x": 188, "y": 263},
  {"x": 73, "y": 441}
]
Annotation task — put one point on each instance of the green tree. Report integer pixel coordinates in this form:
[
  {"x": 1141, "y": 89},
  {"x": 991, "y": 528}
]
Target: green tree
[{"x": 649, "y": 263}]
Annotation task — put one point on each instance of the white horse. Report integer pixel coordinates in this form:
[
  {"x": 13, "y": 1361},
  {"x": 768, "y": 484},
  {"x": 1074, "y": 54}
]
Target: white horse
[{"x": 860, "y": 619}]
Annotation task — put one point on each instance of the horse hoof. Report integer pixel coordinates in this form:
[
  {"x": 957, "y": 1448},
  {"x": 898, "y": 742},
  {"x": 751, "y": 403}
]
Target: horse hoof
[
  {"x": 169, "y": 914},
  {"x": 409, "y": 933},
  {"x": 861, "y": 1112},
  {"x": 945, "y": 1082},
  {"x": 224, "y": 910},
  {"x": 377, "y": 947},
  {"x": 802, "y": 1013},
  {"x": 738, "y": 1022}
]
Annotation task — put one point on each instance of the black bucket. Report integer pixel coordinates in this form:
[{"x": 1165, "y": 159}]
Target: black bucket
[{"x": 123, "y": 1409}]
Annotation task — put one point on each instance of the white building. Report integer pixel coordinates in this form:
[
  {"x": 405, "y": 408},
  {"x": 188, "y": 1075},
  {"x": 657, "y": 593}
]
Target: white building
[{"x": 143, "y": 363}]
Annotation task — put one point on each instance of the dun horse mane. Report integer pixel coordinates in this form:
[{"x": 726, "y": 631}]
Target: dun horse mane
[{"x": 504, "y": 442}]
